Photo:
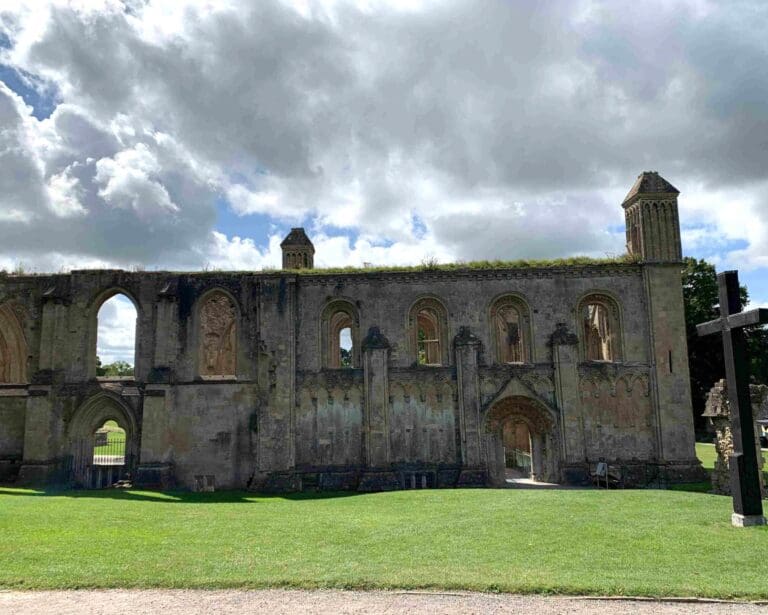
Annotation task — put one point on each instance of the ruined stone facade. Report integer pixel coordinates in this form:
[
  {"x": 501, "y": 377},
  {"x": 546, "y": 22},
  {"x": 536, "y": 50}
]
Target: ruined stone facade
[
  {"x": 717, "y": 410},
  {"x": 241, "y": 378}
]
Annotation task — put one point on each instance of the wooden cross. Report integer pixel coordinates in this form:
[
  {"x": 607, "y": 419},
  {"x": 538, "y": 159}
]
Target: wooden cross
[{"x": 745, "y": 477}]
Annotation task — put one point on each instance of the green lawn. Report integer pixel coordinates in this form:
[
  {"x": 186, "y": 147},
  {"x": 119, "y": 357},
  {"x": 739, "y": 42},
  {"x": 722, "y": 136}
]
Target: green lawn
[
  {"x": 707, "y": 455},
  {"x": 633, "y": 542}
]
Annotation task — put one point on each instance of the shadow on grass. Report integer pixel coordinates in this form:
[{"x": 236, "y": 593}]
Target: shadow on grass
[{"x": 177, "y": 497}]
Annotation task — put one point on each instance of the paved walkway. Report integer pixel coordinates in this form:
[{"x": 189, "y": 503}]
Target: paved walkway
[{"x": 277, "y": 602}]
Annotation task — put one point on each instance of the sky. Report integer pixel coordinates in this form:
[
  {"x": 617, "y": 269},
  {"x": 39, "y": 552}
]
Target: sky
[{"x": 194, "y": 135}]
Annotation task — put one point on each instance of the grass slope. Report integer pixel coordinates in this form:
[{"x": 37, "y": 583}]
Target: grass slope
[{"x": 660, "y": 543}]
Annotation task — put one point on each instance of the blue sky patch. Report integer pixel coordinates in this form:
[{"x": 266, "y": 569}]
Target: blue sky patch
[{"x": 40, "y": 96}]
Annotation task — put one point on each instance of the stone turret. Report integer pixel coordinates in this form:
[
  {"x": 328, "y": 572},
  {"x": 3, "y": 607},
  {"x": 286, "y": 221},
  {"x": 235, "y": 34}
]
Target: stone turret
[
  {"x": 653, "y": 225},
  {"x": 298, "y": 251}
]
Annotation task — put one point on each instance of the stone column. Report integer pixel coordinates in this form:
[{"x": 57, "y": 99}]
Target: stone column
[
  {"x": 467, "y": 348},
  {"x": 156, "y": 469},
  {"x": 378, "y": 476},
  {"x": 42, "y": 433},
  {"x": 54, "y": 314},
  {"x": 565, "y": 358}
]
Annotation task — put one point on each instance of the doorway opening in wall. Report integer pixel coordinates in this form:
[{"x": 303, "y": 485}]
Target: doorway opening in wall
[
  {"x": 116, "y": 338},
  {"x": 517, "y": 450},
  {"x": 101, "y": 460}
]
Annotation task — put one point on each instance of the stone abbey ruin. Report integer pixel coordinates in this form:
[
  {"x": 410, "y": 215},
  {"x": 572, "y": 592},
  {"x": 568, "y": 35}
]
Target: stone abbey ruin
[{"x": 365, "y": 379}]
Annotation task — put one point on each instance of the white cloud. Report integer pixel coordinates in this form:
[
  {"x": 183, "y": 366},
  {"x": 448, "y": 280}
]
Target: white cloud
[{"x": 445, "y": 129}]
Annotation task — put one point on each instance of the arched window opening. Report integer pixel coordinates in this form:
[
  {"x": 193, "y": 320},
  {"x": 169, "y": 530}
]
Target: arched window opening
[
  {"x": 600, "y": 329},
  {"x": 510, "y": 330},
  {"x": 510, "y": 335},
  {"x": 116, "y": 338},
  {"x": 428, "y": 331},
  {"x": 428, "y": 324},
  {"x": 517, "y": 449},
  {"x": 339, "y": 325},
  {"x": 218, "y": 336}
]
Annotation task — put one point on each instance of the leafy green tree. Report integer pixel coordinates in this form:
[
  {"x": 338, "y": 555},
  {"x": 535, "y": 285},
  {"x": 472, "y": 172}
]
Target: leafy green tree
[
  {"x": 705, "y": 354},
  {"x": 112, "y": 370},
  {"x": 346, "y": 357}
]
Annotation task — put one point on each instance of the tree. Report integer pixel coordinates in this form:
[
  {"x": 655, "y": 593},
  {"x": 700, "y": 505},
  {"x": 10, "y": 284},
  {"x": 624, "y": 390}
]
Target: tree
[
  {"x": 112, "y": 370},
  {"x": 705, "y": 354}
]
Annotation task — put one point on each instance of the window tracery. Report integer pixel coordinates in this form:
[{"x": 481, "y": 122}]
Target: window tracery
[
  {"x": 510, "y": 330},
  {"x": 428, "y": 323},
  {"x": 600, "y": 328},
  {"x": 340, "y": 335}
]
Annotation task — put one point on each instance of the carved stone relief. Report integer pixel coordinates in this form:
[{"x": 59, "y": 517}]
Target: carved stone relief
[{"x": 218, "y": 336}]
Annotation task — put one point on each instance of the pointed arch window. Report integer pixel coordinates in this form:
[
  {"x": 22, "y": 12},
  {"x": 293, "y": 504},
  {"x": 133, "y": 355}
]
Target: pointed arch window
[
  {"x": 340, "y": 335},
  {"x": 428, "y": 324},
  {"x": 510, "y": 323},
  {"x": 600, "y": 329}
]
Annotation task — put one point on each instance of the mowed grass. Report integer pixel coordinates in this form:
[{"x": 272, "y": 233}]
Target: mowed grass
[
  {"x": 631, "y": 542},
  {"x": 707, "y": 455}
]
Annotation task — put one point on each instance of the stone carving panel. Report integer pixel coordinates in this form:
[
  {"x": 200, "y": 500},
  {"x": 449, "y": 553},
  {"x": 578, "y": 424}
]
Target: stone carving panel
[
  {"x": 218, "y": 336},
  {"x": 13, "y": 346}
]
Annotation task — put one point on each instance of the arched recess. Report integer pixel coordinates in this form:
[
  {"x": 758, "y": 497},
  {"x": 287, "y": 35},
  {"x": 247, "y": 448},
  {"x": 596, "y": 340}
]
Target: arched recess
[
  {"x": 13, "y": 347},
  {"x": 541, "y": 423},
  {"x": 598, "y": 319},
  {"x": 217, "y": 316},
  {"x": 511, "y": 336},
  {"x": 90, "y": 416},
  {"x": 337, "y": 315},
  {"x": 428, "y": 332},
  {"x": 93, "y": 327}
]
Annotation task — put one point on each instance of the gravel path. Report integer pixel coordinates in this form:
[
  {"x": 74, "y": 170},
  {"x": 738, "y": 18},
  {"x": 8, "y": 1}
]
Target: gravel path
[{"x": 275, "y": 602}]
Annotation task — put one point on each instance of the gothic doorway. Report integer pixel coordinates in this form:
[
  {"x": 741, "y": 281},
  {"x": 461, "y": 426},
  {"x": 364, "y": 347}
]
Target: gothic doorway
[
  {"x": 521, "y": 441},
  {"x": 516, "y": 438},
  {"x": 103, "y": 443}
]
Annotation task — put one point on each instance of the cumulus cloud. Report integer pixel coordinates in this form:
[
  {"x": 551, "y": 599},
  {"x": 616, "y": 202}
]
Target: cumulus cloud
[{"x": 395, "y": 131}]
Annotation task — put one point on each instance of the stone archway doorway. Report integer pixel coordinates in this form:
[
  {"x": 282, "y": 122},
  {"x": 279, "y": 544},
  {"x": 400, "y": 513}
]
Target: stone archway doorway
[
  {"x": 521, "y": 441},
  {"x": 103, "y": 443}
]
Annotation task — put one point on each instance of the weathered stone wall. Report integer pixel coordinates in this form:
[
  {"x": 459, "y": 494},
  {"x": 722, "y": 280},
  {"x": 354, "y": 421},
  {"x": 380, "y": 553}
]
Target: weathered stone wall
[
  {"x": 283, "y": 420},
  {"x": 717, "y": 409}
]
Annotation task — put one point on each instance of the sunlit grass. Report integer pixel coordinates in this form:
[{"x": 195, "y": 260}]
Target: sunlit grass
[{"x": 580, "y": 542}]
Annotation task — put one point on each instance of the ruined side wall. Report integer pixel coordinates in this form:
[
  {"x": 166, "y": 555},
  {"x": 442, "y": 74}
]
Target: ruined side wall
[
  {"x": 329, "y": 420},
  {"x": 384, "y": 300},
  {"x": 423, "y": 417},
  {"x": 282, "y": 411},
  {"x": 610, "y": 405},
  {"x": 670, "y": 378}
]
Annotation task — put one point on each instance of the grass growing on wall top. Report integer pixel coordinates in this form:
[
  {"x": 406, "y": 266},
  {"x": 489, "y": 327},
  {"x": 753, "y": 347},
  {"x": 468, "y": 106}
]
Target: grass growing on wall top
[
  {"x": 573, "y": 261},
  {"x": 660, "y": 543}
]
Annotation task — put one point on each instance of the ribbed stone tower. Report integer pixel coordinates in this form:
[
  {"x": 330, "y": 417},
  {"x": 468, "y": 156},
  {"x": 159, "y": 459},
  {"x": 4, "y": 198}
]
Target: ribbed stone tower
[
  {"x": 298, "y": 251},
  {"x": 653, "y": 224}
]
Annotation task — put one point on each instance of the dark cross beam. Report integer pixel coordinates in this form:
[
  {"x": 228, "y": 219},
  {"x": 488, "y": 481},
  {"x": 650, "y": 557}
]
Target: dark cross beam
[{"x": 745, "y": 478}]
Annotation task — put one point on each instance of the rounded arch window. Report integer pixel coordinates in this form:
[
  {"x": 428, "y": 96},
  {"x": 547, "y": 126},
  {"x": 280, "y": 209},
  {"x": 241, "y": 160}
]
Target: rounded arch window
[
  {"x": 116, "y": 337},
  {"x": 340, "y": 335},
  {"x": 600, "y": 328},
  {"x": 428, "y": 325},
  {"x": 217, "y": 345},
  {"x": 510, "y": 330}
]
